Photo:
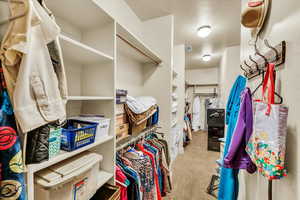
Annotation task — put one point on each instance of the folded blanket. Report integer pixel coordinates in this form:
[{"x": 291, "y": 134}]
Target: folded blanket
[
  {"x": 141, "y": 104},
  {"x": 136, "y": 119}
]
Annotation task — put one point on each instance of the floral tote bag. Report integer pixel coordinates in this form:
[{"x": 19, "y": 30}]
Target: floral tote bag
[{"x": 267, "y": 144}]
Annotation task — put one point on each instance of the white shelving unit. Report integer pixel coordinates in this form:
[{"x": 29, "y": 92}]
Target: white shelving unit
[
  {"x": 174, "y": 122},
  {"x": 88, "y": 48},
  {"x": 175, "y": 73},
  {"x": 178, "y": 103},
  {"x": 81, "y": 53},
  {"x": 102, "y": 51},
  {"x": 174, "y": 105},
  {"x": 103, "y": 177},
  {"x": 65, "y": 155}
]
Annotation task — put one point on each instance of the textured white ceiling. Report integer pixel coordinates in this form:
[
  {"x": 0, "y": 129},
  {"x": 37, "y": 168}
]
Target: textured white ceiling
[{"x": 222, "y": 15}]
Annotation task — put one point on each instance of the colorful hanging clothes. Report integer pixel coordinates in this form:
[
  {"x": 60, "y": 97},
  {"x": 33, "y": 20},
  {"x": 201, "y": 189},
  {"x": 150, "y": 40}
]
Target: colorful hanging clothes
[
  {"x": 229, "y": 186},
  {"x": 151, "y": 156},
  {"x": 12, "y": 184},
  {"x": 142, "y": 165},
  {"x": 237, "y": 157},
  {"x": 120, "y": 176},
  {"x": 148, "y": 169}
]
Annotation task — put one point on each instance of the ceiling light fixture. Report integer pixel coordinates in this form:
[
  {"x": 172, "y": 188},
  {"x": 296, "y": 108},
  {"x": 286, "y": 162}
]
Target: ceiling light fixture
[
  {"x": 206, "y": 58},
  {"x": 204, "y": 31}
]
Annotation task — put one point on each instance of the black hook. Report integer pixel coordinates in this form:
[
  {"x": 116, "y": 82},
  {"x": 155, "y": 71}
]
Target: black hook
[
  {"x": 250, "y": 68},
  {"x": 273, "y": 48},
  {"x": 256, "y": 64},
  {"x": 259, "y": 54}
]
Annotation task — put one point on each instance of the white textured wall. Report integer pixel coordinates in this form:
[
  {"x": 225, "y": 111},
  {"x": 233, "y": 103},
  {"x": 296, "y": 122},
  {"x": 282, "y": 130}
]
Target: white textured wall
[
  {"x": 229, "y": 70},
  {"x": 283, "y": 24},
  {"x": 129, "y": 75},
  {"x": 158, "y": 33},
  {"x": 202, "y": 76}
]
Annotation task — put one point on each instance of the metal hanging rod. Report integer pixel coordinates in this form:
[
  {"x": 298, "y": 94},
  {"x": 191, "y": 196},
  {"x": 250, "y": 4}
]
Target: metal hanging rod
[
  {"x": 137, "y": 49},
  {"x": 206, "y": 94},
  {"x": 255, "y": 66},
  {"x": 134, "y": 139},
  {"x": 203, "y": 85}
]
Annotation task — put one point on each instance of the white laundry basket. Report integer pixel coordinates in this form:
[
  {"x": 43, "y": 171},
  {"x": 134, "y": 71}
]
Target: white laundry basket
[
  {"x": 103, "y": 124},
  {"x": 73, "y": 179}
]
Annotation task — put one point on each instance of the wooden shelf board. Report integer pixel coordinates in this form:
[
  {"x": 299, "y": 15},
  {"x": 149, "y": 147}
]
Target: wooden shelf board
[
  {"x": 32, "y": 168},
  {"x": 103, "y": 177},
  {"x": 80, "y": 53},
  {"x": 84, "y": 15}
]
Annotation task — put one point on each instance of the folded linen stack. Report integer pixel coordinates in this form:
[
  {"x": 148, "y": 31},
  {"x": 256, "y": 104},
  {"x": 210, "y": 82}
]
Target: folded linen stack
[{"x": 142, "y": 112}]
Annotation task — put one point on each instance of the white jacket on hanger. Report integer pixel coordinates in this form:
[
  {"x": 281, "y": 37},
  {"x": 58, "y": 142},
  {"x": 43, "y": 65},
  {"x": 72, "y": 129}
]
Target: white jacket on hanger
[
  {"x": 202, "y": 114},
  {"x": 37, "y": 100},
  {"x": 196, "y": 121}
]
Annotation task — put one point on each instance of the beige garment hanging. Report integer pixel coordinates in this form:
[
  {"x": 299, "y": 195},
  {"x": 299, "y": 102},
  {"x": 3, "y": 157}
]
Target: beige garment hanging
[
  {"x": 34, "y": 84},
  {"x": 15, "y": 34}
]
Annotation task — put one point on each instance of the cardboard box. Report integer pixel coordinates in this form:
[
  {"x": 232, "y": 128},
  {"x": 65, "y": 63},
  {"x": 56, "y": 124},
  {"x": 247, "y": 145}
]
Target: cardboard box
[
  {"x": 121, "y": 119},
  {"x": 122, "y": 130}
]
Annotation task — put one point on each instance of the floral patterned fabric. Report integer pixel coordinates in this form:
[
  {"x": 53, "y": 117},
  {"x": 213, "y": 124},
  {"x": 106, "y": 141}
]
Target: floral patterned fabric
[
  {"x": 267, "y": 144},
  {"x": 12, "y": 184},
  {"x": 270, "y": 163}
]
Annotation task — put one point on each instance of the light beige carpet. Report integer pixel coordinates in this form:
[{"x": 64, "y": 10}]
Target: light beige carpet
[{"x": 192, "y": 170}]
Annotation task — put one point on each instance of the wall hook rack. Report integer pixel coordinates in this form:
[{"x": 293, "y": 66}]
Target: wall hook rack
[{"x": 258, "y": 64}]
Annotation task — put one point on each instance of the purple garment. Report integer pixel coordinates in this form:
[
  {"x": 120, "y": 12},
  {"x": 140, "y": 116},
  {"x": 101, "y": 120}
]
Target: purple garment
[{"x": 237, "y": 157}]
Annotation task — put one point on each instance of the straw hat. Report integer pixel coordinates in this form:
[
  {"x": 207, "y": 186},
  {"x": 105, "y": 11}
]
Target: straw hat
[{"x": 255, "y": 14}]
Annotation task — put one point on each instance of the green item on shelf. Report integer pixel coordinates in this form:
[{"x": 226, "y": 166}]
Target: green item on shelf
[{"x": 54, "y": 141}]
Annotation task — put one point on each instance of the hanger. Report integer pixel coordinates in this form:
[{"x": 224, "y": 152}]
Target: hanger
[
  {"x": 277, "y": 58},
  {"x": 272, "y": 48},
  {"x": 12, "y": 18},
  {"x": 263, "y": 72}
]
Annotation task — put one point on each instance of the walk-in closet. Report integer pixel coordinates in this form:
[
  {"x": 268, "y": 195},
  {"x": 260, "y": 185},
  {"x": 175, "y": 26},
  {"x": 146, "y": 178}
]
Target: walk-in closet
[{"x": 149, "y": 100}]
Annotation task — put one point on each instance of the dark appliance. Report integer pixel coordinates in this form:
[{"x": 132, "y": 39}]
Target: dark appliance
[
  {"x": 216, "y": 117},
  {"x": 216, "y": 124}
]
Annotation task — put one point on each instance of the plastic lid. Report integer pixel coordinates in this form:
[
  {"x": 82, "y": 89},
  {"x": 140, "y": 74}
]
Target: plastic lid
[{"x": 68, "y": 169}]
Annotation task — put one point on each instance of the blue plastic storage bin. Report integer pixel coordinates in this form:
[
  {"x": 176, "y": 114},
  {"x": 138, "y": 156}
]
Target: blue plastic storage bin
[{"x": 77, "y": 134}]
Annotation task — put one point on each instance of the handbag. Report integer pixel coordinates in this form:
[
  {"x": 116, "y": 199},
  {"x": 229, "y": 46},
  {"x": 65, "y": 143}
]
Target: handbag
[{"x": 267, "y": 145}]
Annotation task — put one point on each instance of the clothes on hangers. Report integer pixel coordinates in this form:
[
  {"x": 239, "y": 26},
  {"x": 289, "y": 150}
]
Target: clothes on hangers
[
  {"x": 228, "y": 187},
  {"x": 237, "y": 157},
  {"x": 196, "y": 123},
  {"x": 146, "y": 166},
  {"x": 31, "y": 80},
  {"x": 121, "y": 177}
]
